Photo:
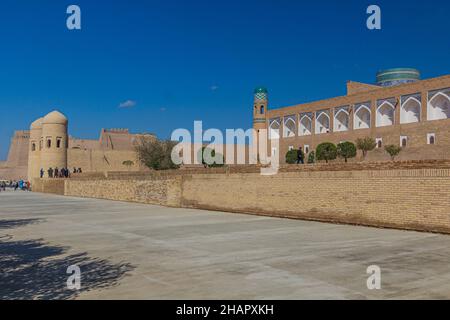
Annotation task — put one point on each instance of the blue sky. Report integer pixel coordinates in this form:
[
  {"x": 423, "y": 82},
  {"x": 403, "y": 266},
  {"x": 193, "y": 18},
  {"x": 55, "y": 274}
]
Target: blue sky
[{"x": 182, "y": 61}]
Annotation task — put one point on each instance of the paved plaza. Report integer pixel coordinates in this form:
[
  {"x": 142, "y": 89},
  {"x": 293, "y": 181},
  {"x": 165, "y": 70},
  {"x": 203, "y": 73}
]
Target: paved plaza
[{"x": 136, "y": 251}]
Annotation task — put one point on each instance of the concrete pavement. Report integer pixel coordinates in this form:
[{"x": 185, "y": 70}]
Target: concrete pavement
[{"x": 136, "y": 251}]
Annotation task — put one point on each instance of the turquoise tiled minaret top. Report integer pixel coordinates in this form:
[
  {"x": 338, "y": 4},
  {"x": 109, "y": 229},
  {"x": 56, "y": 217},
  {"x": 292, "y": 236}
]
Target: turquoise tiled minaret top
[{"x": 261, "y": 93}]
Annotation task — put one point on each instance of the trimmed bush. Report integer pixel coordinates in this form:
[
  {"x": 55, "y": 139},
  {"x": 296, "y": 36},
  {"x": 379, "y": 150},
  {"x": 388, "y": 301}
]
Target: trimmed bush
[
  {"x": 291, "y": 156},
  {"x": 393, "y": 150},
  {"x": 326, "y": 151},
  {"x": 346, "y": 150},
  {"x": 366, "y": 144},
  {"x": 312, "y": 157}
]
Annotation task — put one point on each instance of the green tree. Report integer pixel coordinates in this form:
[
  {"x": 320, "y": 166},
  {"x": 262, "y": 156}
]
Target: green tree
[
  {"x": 291, "y": 156},
  {"x": 212, "y": 152},
  {"x": 156, "y": 154},
  {"x": 311, "y": 157},
  {"x": 346, "y": 150},
  {"x": 393, "y": 150},
  {"x": 326, "y": 151},
  {"x": 365, "y": 145},
  {"x": 128, "y": 164}
]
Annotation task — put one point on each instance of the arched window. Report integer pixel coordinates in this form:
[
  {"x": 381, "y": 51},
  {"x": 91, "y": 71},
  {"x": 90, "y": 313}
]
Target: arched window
[
  {"x": 49, "y": 143},
  {"x": 439, "y": 107},
  {"x": 289, "y": 127},
  {"x": 274, "y": 129},
  {"x": 410, "y": 111},
  {"x": 431, "y": 138},
  {"x": 385, "y": 114},
  {"x": 40, "y": 144},
  {"x": 380, "y": 144},
  {"x": 58, "y": 143},
  {"x": 322, "y": 123},
  {"x": 33, "y": 146},
  {"x": 403, "y": 141},
  {"x": 362, "y": 118},
  {"x": 261, "y": 109},
  {"x": 341, "y": 120},
  {"x": 305, "y": 126}
]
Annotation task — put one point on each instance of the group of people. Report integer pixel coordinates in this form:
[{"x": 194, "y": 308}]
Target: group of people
[
  {"x": 21, "y": 184},
  {"x": 59, "y": 173}
]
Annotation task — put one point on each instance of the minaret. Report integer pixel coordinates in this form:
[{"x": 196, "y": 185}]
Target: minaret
[
  {"x": 260, "y": 103},
  {"x": 260, "y": 108}
]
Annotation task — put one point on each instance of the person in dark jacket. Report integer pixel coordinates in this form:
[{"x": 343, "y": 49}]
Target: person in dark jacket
[{"x": 300, "y": 156}]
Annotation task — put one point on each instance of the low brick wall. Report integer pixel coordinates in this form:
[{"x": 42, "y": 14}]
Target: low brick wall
[
  {"x": 55, "y": 186},
  {"x": 407, "y": 199},
  {"x": 416, "y": 199},
  {"x": 163, "y": 191}
]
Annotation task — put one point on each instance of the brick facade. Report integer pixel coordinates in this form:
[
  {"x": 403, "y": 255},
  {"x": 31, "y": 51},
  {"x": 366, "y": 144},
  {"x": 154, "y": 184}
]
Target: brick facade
[{"x": 417, "y": 133}]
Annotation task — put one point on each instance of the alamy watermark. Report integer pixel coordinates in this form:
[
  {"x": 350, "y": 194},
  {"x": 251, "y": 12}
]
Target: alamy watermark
[
  {"x": 374, "y": 20},
  {"x": 232, "y": 144},
  {"x": 74, "y": 280},
  {"x": 374, "y": 280},
  {"x": 73, "y": 22}
]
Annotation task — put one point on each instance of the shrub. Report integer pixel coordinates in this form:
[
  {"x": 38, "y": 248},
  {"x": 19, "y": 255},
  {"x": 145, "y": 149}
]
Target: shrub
[
  {"x": 393, "y": 150},
  {"x": 155, "y": 154},
  {"x": 326, "y": 151},
  {"x": 213, "y": 155},
  {"x": 346, "y": 150},
  {"x": 366, "y": 144},
  {"x": 128, "y": 164},
  {"x": 291, "y": 156},
  {"x": 312, "y": 157}
]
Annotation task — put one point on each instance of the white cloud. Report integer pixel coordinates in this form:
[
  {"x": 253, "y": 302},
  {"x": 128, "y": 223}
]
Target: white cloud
[
  {"x": 214, "y": 88},
  {"x": 127, "y": 104}
]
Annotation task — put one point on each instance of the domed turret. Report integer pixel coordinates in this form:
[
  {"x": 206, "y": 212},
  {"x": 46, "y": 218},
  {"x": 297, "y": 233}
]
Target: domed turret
[
  {"x": 34, "y": 152},
  {"x": 55, "y": 117},
  {"x": 54, "y": 137},
  {"x": 37, "y": 124}
]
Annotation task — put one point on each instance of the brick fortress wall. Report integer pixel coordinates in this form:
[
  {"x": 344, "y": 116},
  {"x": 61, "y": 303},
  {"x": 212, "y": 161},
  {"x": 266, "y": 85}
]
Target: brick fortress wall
[{"x": 404, "y": 195}]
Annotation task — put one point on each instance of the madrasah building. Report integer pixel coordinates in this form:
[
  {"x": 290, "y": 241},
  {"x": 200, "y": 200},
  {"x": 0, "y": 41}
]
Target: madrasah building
[{"x": 399, "y": 109}]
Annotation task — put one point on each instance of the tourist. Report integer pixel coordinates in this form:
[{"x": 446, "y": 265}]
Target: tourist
[
  {"x": 79, "y": 170},
  {"x": 56, "y": 172},
  {"x": 41, "y": 173},
  {"x": 16, "y": 185},
  {"x": 300, "y": 156},
  {"x": 50, "y": 172}
]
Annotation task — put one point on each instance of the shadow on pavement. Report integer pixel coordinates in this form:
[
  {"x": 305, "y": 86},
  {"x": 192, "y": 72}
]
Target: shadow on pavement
[
  {"x": 32, "y": 269},
  {"x": 9, "y": 224}
]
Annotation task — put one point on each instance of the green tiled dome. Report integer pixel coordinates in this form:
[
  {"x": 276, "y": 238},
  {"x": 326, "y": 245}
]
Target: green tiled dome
[{"x": 396, "y": 76}]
